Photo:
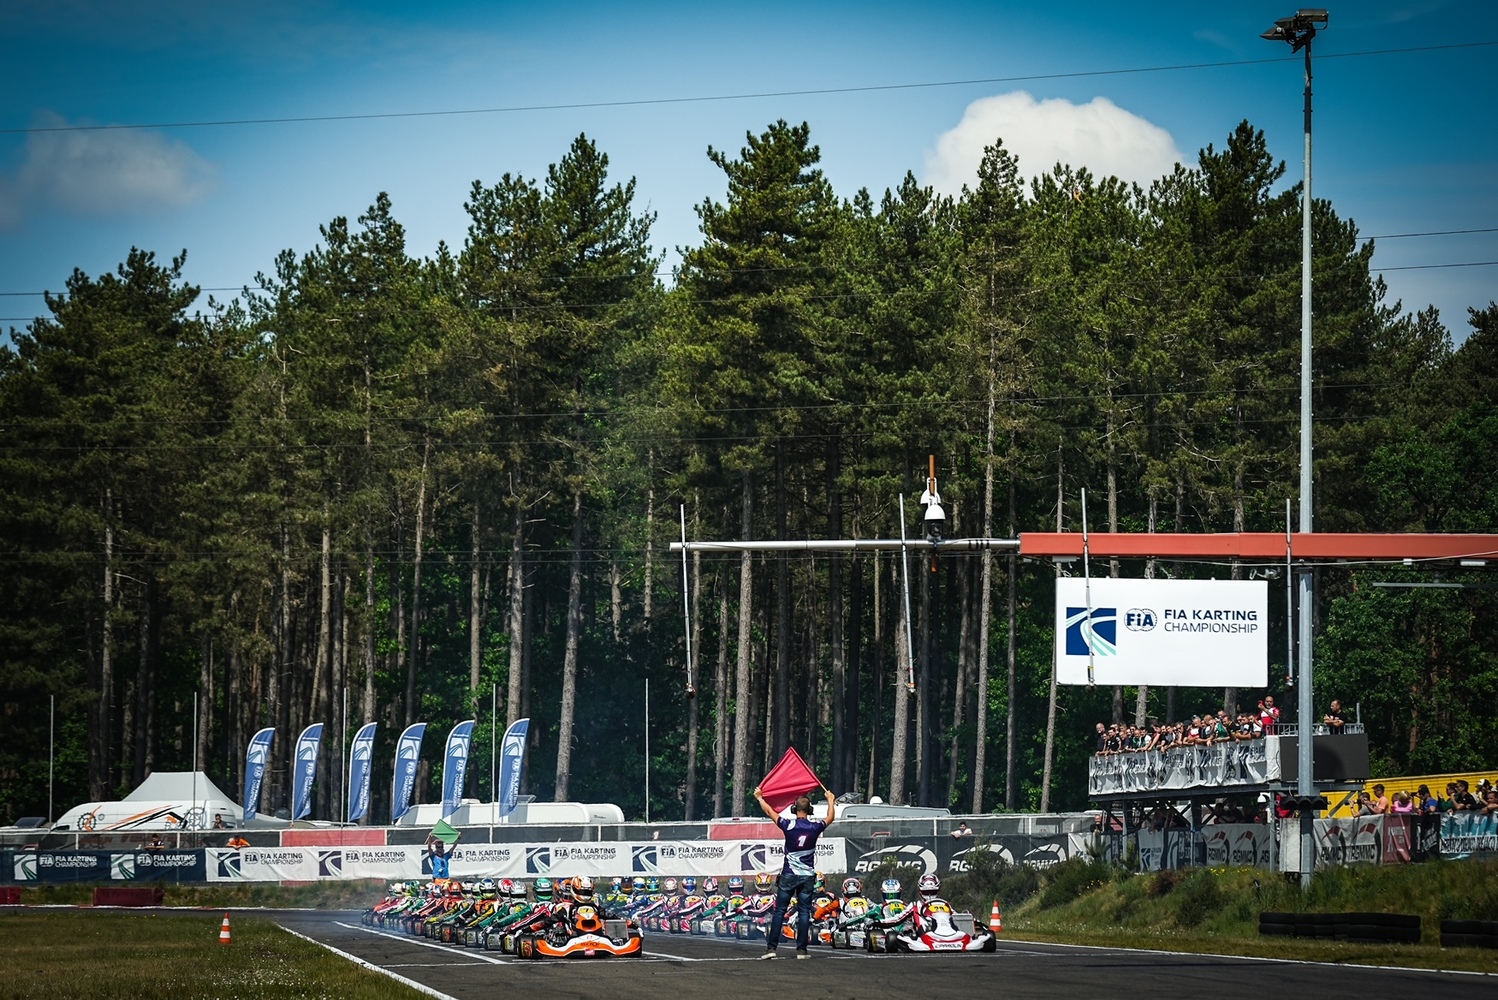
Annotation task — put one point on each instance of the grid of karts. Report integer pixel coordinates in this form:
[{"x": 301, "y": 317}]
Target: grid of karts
[{"x": 571, "y": 918}]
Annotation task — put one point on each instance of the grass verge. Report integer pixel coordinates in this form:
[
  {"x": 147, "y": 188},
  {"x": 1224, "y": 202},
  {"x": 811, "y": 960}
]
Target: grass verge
[
  {"x": 57, "y": 955},
  {"x": 1217, "y": 910}
]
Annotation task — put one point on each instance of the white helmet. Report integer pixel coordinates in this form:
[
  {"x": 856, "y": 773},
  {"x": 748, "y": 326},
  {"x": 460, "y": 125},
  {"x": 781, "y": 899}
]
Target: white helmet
[{"x": 929, "y": 885}]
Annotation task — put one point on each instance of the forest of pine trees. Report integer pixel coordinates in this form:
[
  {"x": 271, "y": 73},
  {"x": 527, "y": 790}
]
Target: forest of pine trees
[{"x": 409, "y": 485}]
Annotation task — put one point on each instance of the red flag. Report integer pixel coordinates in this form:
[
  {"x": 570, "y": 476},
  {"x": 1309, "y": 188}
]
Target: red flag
[{"x": 787, "y": 781}]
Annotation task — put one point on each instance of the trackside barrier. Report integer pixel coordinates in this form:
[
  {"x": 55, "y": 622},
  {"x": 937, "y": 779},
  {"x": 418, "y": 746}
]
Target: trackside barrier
[
  {"x": 1469, "y": 933},
  {"x": 1372, "y": 928}
]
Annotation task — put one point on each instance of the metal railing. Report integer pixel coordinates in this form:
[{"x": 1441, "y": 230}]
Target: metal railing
[{"x": 1317, "y": 729}]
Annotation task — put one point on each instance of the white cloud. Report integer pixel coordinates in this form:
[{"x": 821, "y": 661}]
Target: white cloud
[
  {"x": 103, "y": 172},
  {"x": 1098, "y": 135}
]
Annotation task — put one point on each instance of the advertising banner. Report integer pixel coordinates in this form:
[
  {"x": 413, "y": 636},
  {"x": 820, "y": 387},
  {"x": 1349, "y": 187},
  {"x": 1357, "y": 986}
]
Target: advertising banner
[
  {"x": 304, "y": 770},
  {"x": 1237, "y": 844},
  {"x": 455, "y": 767},
  {"x": 255, "y": 758},
  {"x": 511, "y": 757},
  {"x": 597, "y": 859},
  {"x": 407, "y": 754},
  {"x": 1400, "y": 835},
  {"x": 1165, "y": 849},
  {"x": 944, "y": 855},
  {"x": 1181, "y": 767},
  {"x": 1351, "y": 841},
  {"x": 1195, "y": 633},
  {"x": 105, "y": 866},
  {"x": 1467, "y": 833},
  {"x": 359, "y": 766}
]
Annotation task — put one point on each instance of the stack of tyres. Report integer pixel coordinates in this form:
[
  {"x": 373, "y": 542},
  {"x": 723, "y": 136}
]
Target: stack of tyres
[
  {"x": 1469, "y": 933},
  {"x": 1358, "y": 927}
]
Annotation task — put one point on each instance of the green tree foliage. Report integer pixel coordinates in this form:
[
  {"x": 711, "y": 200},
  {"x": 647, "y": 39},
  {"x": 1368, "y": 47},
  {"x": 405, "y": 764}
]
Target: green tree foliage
[{"x": 409, "y": 486}]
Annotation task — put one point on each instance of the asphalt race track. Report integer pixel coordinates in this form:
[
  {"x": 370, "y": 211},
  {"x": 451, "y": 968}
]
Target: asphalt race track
[{"x": 676, "y": 967}]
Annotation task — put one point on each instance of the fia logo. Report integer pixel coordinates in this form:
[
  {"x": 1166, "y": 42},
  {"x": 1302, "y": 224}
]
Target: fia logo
[
  {"x": 1140, "y": 619},
  {"x": 1095, "y": 632},
  {"x": 229, "y": 865}
]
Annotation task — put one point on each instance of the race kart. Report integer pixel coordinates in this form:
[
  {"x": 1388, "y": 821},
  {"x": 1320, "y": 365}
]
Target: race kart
[
  {"x": 848, "y": 926},
  {"x": 586, "y": 935},
  {"x": 933, "y": 927}
]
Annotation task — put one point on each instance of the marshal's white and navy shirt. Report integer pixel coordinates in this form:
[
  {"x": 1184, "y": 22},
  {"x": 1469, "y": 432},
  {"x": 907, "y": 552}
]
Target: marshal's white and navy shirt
[{"x": 800, "y": 845}]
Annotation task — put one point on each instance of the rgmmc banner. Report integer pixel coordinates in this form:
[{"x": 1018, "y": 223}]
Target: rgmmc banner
[
  {"x": 455, "y": 766},
  {"x": 305, "y": 770},
  {"x": 360, "y": 758},
  {"x": 255, "y": 759},
  {"x": 407, "y": 753},
  {"x": 1192, "y": 633},
  {"x": 511, "y": 756}
]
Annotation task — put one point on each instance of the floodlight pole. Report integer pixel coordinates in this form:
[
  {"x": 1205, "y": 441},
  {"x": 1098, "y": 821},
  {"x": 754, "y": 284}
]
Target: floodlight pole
[{"x": 1300, "y": 31}]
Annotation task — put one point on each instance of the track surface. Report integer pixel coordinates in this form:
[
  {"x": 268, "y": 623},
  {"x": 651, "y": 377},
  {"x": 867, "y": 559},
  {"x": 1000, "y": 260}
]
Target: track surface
[{"x": 676, "y": 967}]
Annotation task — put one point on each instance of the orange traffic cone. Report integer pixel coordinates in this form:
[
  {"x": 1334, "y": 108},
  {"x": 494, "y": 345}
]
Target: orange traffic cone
[
  {"x": 224, "y": 937},
  {"x": 996, "y": 919}
]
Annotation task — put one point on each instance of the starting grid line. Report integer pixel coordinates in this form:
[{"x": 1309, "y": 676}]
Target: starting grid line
[
  {"x": 479, "y": 957},
  {"x": 475, "y": 958},
  {"x": 408, "y": 939}
]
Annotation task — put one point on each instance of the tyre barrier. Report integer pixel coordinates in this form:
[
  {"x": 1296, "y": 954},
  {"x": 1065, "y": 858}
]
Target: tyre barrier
[
  {"x": 1469, "y": 933},
  {"x": 1366, "y": 928}
]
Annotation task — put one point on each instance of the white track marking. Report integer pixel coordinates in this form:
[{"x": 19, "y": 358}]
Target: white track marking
[
  {"x": 407, "y": 939},
  {"x": 419, "y": 987}
]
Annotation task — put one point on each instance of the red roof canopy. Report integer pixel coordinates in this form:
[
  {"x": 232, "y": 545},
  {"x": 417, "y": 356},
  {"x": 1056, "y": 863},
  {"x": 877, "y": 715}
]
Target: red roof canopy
[{"x": 1264, "y": 545}]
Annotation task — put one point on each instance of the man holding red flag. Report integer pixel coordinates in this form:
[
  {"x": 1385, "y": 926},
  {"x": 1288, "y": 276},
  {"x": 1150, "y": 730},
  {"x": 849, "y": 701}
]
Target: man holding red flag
[{"x": 798, "y": 875}]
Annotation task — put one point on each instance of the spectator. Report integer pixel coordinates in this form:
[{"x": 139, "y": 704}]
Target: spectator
[
  {"x": 1463, "y": 800},
  {"x": 962, "y": 831},
  {"x": 1490, "y": 803},
  {"x": 1427, "y": 803},
  {"x": 218, "y": 821},
  {"x": 1269, "y": 715},
  {"x": 1402, "y": 806},
  {"x": 237, "y": 842},
  {"x": 1448, "y": 803},
  {"x": 1380, "y": 801},
  {"x": 155, "y": 843},
  {"x": 1334, "y": 718},
  {"x": 1102, "y": 739},
  {"x": 1365, "y": 804}
]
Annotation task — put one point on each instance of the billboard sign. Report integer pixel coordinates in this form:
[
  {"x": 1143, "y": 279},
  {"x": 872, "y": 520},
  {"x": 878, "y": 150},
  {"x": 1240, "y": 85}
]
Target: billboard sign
[{"x": 1191, "y": 633}]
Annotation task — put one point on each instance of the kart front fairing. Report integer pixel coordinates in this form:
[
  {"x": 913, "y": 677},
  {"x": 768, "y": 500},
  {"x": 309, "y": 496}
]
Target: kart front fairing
[{"x": 937, "y": 928}]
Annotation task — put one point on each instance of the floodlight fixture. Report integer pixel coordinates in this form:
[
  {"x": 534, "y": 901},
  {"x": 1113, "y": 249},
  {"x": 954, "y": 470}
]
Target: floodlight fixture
[{"x": 1298, "y": 30}]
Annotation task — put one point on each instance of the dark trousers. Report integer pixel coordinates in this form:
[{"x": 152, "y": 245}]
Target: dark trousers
[{"x": 799, "y": 886}]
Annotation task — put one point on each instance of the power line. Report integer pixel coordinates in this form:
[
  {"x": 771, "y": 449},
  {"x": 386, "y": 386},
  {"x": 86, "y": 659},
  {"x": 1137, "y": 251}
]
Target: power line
[
  {"x": 711, "y": 98},
  {"x": 792, "y": 268},
  {"x": 534, "y": 307}
]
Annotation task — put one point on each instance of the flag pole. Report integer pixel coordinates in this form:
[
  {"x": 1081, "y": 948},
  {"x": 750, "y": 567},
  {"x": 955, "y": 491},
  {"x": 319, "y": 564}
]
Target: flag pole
[
  {"x": 905, "y": 581},
  {"x": 647, "y": 749},
  {"x": 686, "y": 602},
  {"x": 493, "y": 742},
  {"x": 1087, "y": 589},
  {"x": 51, "y": 749}
]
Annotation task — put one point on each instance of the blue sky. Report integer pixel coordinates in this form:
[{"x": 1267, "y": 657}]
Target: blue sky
[{"x": 1405, "y": 142}]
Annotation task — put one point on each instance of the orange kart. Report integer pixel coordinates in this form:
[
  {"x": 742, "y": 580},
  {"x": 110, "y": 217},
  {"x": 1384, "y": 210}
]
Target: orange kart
[{"x": 585, "y": 935}]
